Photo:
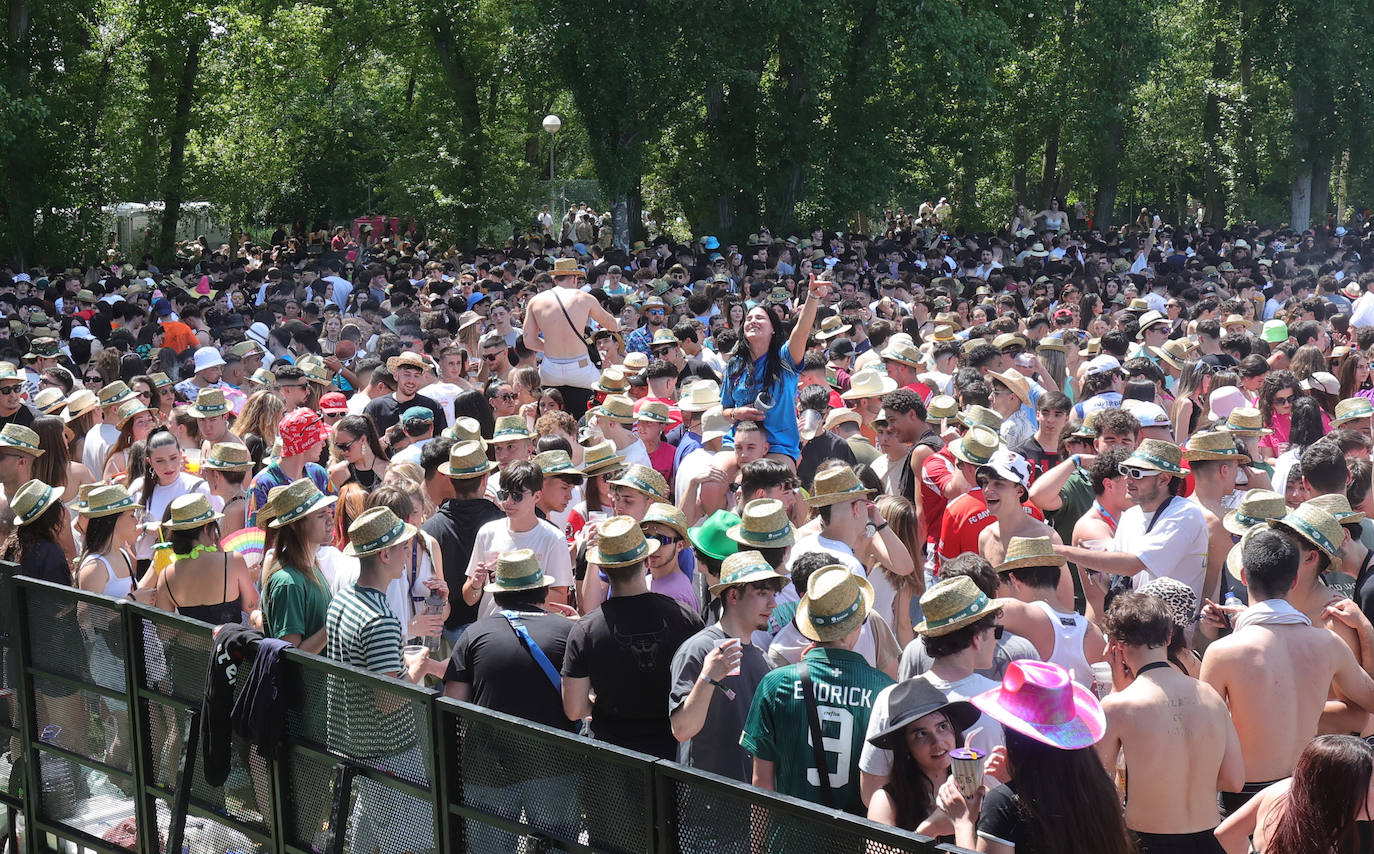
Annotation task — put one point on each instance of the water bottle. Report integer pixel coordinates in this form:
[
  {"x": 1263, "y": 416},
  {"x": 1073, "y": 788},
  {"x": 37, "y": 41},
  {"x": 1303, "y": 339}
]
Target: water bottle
[
  {"x": 434, "y": 604},
  {"x": 58, "y": 777}
]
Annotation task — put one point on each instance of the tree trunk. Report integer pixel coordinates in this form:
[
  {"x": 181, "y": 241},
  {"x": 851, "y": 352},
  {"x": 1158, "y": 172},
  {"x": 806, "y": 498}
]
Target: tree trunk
[
  {"x": 1321, "y": 189},
  {"x": 1245, "y": 137},
  {"x": 1108, "y": 175},
  {"x": 786, "y": 191},
  {"x": 463, "y": 85},
  {"x": 173, "y": 187},
  {"x": 1049, "y": 166},
  {"x": 1300, "y": 192},
  {"x": 1213, "y": 199}
]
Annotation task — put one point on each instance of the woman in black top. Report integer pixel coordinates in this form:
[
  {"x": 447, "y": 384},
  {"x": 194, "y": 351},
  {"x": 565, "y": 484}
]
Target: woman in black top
[
  {"x": 202, "y": 583},
  {"x": 361, "y": 457}
]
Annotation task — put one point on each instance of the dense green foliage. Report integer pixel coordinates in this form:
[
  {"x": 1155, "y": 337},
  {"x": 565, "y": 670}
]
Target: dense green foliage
[{"x": 712, "y": 117}]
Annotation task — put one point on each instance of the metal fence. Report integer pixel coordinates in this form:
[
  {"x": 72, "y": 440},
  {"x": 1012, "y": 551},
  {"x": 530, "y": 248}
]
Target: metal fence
[{"x": 102, "y": 703}]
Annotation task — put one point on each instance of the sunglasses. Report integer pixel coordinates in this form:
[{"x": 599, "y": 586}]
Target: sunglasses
[
  {"x": 290, "y": 385},
  {"x": 1283, "y": 401},
  {"x": 345, "y": 446},
  {"x": 491, "y": 357},
  {"x": 94, "y": 379},
  {"x": 10, "y": 389},
  {"x": 656, "y": 312},
  {"x": 665, "y": 539},
  {"x": 662, "y": 351},
  {"x": 1135, "y": 473},
  {"x": 508, "y": 396},
  {"x": 510, "y": 495}
]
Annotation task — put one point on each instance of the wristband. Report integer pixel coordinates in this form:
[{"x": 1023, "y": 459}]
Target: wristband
[
  {"x": 877, "y": 528},
  {"x": 724, "y": 690}
]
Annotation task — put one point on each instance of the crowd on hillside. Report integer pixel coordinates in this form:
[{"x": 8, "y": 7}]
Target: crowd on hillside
[{"x": 745, "y": 506}]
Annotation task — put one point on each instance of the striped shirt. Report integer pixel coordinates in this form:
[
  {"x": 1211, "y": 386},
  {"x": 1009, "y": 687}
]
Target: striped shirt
[{"x": 364, "y": 633}]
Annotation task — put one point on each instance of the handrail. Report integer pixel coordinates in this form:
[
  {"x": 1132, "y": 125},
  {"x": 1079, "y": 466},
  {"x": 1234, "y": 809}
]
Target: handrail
[{"x": 467, "y": 767}]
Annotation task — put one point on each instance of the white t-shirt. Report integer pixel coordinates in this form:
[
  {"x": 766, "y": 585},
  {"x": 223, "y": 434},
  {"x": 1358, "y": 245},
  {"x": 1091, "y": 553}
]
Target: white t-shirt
[
  {"x": 878, "y": 761},
  {"x": 185, "y": 484},
  {"x": 843, "y": 555},
  {"x": 695, "y": 463},
  {"x": 358, "y": 402},
  {"x": 99, "y": 439},
  {"x": 1176, "y": 547},
  {"x": 635, "y": 452},
  {"x": 443, "y": 394},
  {"x": 546, "y": 541},
  {"x": 789, "y": 643}
]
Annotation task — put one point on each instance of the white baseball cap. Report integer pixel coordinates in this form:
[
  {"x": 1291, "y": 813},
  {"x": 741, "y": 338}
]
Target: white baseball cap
[
  {"x": 1102, "y": 364},
  {"x": 1010, "y": 466}
]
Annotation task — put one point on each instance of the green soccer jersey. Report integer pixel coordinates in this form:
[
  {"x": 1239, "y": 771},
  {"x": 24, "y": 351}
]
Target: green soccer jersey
[{"x": 776, "y": 731}]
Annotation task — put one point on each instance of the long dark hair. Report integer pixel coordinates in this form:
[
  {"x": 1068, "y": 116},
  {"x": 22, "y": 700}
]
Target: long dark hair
[
  {"x": 99, "y": 532},
  {"x": 51, "y": 468},
  {"x": 912, "y": 792},
  {"x": 40, "y": 530},
  {"x": 157, "y": 438},
  {"x": 1305, "y": 425},
  {"x": 1274, "y": 382},
  {"x": 1053, "y": 785},
  {"x": 362, "y": 427},
  {"x": 1326, "y": 797},
  {"x": 742, "y": 359},
  {"x": 471, "y": 403}
]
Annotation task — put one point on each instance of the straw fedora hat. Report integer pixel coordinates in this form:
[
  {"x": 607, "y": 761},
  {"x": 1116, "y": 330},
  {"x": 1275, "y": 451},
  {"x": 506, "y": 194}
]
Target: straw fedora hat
[
  {"x": 1256, "y": 507},
  {"x": 83, "y": 492},
  {"x": 112, "y": 394},
  {"x": 49, "y": 400},
  {"x": 904, "y": 352},
  {"x": 17, "y": 437},
  {"x": 466, "y": 460},
  {"x": 105, "y": 500},
  {"x": 464, "y": 429},
  {"x": 376, "y": 529},
  {"x": 1352, "y": 409},
  {"x": 1157, "y": 455},
  {"x": 318, "y": 374},
  {"x": 981, "y": 416},
  {"x": 668, "y": 515},
  {"x": 228, "y": 456},
  {"x": 1040, "y": 700},
  {"x": 300, "y": 499},
  {"x": 79, "y": 403},
  {"x": 556, "y": 463},
  {"x": 1052, "y": 343},
  {"x": 209, "y": 403},
  {"x": 764, "y": 525},
  {"x": 127, "y": 410},
  {"x": 700, "y": 396},
  {"x": 406, "y": 360},
  {"x": 1338, "y": 506},
  {"x": 620, "y": 542},
  {"x": 518, "y": 570},
  {"x": 1315, "y": 525},
  {"x": 654, "y": 411},
  {"x": 951, "y": 604},
  {"x": 745, "y": 567},
  {"x": 32, "y": 500},
  {"x": 714, "y": 424},
  {"x": 1246, "y": 420},
  {"x": 191, "y": 510},
  {"x": 832, "y": 326},
  {"x": 510, "y": 428},
  {"x": 1030, "y": 551},
  {"x": 617, "y": 407},
  {"x": 1213, "y": 445},
  {"x": 942, "y": 406},
  {"x": 837, "y": 485},
  {"x": 869, "y": 383},
  {"x": 1018, "y": 384},
  {"x": 642, "y": 478},
  {"x": 566, "y": 267},
  {"x": 601, "y": 458},
  {"x": 836, "y": 417},
  {"x": 612, "y": 381},
  {"x": 836, "y": 603},
  {"x": 975, "y": 447}
]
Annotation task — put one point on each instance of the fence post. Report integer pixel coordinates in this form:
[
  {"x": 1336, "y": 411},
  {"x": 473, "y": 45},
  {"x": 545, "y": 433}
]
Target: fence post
[
  {"x": 25, "y": 715},
  {"x": 440, "y": 727},
  {"x": 145, "y": 808},
  {"x": 665, "y": 812}
]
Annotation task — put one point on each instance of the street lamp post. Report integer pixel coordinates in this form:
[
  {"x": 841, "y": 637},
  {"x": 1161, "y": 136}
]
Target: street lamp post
[{"x": 553, "y": 124}]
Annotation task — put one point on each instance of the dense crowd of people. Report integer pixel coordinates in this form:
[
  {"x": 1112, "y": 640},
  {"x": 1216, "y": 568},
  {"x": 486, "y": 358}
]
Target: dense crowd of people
[{"x": 1043, "y": 540}]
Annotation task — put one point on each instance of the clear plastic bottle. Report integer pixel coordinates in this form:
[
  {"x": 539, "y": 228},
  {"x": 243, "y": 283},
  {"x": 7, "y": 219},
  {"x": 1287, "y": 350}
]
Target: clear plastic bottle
[{"x": 434, "y": 604}]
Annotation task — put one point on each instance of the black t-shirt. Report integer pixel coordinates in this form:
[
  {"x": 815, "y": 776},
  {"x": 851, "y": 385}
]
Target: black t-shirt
[
  {"x": 455, "y": 527},
  {"x": 503, "y": 674},
  {"x": 1000, "y": 819},
  {"x": 385, "y": 411},
  {"x": 1039, "y": 460},
  {"x": 23, "y": 417},
  {"x": 826, "y": 446},
  {"x": 46, "y": 561},
  {"x": 626, "y": 648},
  {"x": 1364, "y": 589}
]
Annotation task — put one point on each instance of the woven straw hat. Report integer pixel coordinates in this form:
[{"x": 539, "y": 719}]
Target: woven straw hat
[
  {"x": 127, "y": 410},
  {"x": 376, "y": 529},
  {"x": 466, "y": 460},
  {"x": 1213, "y": 445},
  {"x": 406, "y": 360},
  {"x": 620, "y": 542},
  {"x": 228, "y": 456},
  {"x": 765, "y": 525},
  {"x": 1052, "y": 343},
  {"x": 831, "y": 327},
  {"x": 49, "y": 400},
  {"x": 904, "y": 352},
  {"x": 518, "y": 570},
  {"x": 617, "y": 407},
  {"x": 951, "y": 604},
  {"x": 191, "y": 510},
  {"x": 666, "y": 514},
  {"x": 105, "y": 500},
  {"x": 32, "y": 500},
  {"x": 975, "y": 447},
  {"x": 612, "y": 381},
  {"x": 601, "y": 458},
  {"x": 1157, "y": 455},
  {"x": 1315, "y": 525},
  {"x": 745, "y": 567},
  {"x": 1246, "y": 420},
  {"x": 111, "y": 394},
  {"x": 942, "y": 406},
  {"x": 981, "y": 416},
  {"x": 1352, "y": 409},
  {"x": 836, "y": 603},
  {"x": 1256, "y": 506},
  {"x": 837, "y": 485},
  {"x": 510, "y": 428},
  {"x": 654, "y": 411},
  {"x": 1339, "y": 506},
  {"x": 79, "y": 403},
  {"x": 17, "y": 437},
  {"x": 644, "y": 479},
  {"x": 300, "y": 499},
  {"x": 1030, "y": 551},
  {"x": 556, "y": 463},
  {"x": 566, "y": 267},
  {"x": 1018, "y": 384}
]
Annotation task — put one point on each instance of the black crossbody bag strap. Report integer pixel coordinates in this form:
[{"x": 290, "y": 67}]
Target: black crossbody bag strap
[{"x": 813, "y": 723}]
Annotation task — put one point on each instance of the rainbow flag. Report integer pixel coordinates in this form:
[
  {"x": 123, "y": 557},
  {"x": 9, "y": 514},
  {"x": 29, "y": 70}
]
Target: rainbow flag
[{"x": 248, "y": 541}]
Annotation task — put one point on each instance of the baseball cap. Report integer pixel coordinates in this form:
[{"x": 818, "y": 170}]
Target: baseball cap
[
  {"x": 417, "y": 415},
  {"x": 1148, "y": 413},
  {"x": 1102, "y": 364},
  {"x": 1008, "y": 465},
  {"x": 335, "y": 402}
]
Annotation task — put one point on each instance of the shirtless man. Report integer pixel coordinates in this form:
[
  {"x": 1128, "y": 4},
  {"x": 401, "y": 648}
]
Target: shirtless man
[
  {"x": 555, "y": 321},
  {"x": 1214, "y": 458},
  {"x": 1005, "y": 481},
  {"x": 1175, "y": 731},
  {"x": 1039, "y": 607},
  {"x": 1098, "y": 524},
  {"x": 1277, "y": 715}
]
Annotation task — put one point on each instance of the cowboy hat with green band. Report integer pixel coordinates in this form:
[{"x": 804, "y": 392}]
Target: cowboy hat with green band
[
  {"x": 104, "y": 500},
  {"x": 190, "y": 511},
  {"x": 1256, "y": 507},
  {"x": 836, "y": 604},
  {"x": 32, "y": 500},
  {"x": 837, "y": 486},
  {"x": 467, "y": 460},
  {"x": 765, "y": 525},
  {"x": 620, "y": 542},
  {"x": 1315, "y": 525},
  {"x": 1157, "y": 455},
  {"x": 975, "y": 447},
  {"x": 745, "y": 567},
  {"x": 299, "y": 500},
  {"x": 951, "y": 604},
  {"x": 376, "y": 529},
  {"x": 518, "y": 570},
  {"x": 17, "y": 437},
  {"x": 642, "y": 478},
  {"x": 510, "y": 428}
]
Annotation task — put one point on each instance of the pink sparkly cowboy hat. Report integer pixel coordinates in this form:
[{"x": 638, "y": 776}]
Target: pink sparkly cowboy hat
[{"x": 1039, "y": 700}]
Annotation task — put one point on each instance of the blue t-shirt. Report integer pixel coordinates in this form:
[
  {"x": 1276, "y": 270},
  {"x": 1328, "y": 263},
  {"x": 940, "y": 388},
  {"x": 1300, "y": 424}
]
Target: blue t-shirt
[{"x": 780, "y": 422}]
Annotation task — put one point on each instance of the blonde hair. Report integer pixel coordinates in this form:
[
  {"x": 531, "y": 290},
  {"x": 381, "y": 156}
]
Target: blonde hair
[{"x": 261, "y": 414}]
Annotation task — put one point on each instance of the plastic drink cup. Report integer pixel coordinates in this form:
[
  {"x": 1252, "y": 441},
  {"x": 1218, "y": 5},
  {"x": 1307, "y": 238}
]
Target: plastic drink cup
[
  {"x": 414, "y": 649},
  {"x": 967, "y": 765},
  {"x": 722, "y": 642},
  {"x": 1102, "y": 678}
]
